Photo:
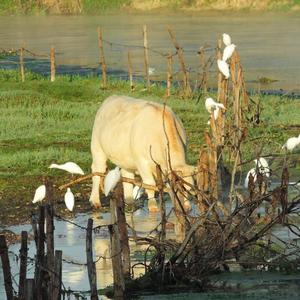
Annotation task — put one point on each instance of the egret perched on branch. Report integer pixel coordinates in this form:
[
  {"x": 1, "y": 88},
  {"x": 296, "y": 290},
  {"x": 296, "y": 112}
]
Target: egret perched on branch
[
  {"x": 291, "y": 143},
  {"x": 69, "y": 200},
  {"x": 253, "y": 173},
  {"x": 40, "y": 194},
  {"x": 137, "y": 192},
  {"x": 70, "y": 167},
  {"x": 224, "y": 68},
  {"x": 262, "y": 166},
  {"x": 211, "y": 104},
  {"x": 226, "y": 39},
  {"x": 111, "y": 180},
  {"x": 228, "y": 51}
]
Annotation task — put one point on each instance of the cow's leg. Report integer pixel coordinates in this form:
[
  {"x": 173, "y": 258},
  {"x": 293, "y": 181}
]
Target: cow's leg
[
  {"x": 98, "y": 165},
  {"x": 147, "y": 177},
  {"x": 128, "y": 187}
]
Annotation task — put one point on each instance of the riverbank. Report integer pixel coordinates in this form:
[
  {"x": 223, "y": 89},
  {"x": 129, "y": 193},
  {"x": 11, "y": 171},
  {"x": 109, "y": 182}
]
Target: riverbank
[{"x": 78, "y": 7}]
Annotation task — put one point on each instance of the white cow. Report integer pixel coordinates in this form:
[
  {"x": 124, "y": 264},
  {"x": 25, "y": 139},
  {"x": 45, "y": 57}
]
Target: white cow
[{"x": 134, "y": 134}]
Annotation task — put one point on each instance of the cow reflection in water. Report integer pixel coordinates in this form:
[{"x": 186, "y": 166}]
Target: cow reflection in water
[{"x": 136, "y": 134}]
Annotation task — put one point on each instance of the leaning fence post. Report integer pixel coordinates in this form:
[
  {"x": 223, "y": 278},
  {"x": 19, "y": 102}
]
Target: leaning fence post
[
  {"x": 23, "y": 265},
  {"x": 130, "y": 72},
  {"x": 6, "y": 268},
  {"x": 186, "y": 83},
  {"x": 52, "y": 64},
  {"x": 56, "y": 293},
  {"x": 90, "y": 262},
  {"x": 146, "y": 56},
  {"x": 102, "y": 58},
  {"x": 119, "y": 284},
  {"x": 22, "y": 70},
  {"x": 120, "y": 210}
]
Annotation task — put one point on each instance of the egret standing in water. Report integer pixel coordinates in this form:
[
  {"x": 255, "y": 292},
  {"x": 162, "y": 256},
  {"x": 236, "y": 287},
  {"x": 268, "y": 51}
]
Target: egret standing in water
[
  {"x": 226, "y": 39},
  {"x": 291, "y": 143},
  {"x": 70, "y": 167},
  {"x": 69, "y": 200},
  {"x": 40, "y": 194},
  {"x": 111, "y": 180},
  {"x": 224, "y": 68}
]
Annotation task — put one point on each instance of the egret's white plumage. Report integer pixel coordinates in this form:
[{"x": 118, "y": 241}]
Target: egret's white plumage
[
  {"x": 224, "y": 68},
  {"x": 40, "y": 194},
  {"x": 211, "y": 104},
  {"x": 253, "y": 173},
  {"x": 69, "y": 200},
  {"x": 263, "y": 166},
  {"x": 228, "y": 51},
  {"x": 111, "y": 180},
  {"x": 70, "y": 167},
  {"x": 226, "y": 39},
  {"x": 151, "y": 70},
  {"x": 291, "y": 143},
  {"x": 137, "y": 192}
]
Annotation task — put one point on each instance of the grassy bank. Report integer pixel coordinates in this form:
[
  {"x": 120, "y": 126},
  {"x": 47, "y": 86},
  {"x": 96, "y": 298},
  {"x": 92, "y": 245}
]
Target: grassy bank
[
  {"x": 66, "y": 7},
  {"x": 44, "y": 122}
]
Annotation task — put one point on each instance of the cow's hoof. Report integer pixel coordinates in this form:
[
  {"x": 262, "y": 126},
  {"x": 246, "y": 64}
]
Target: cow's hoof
[{"x": 187, "y": 205}]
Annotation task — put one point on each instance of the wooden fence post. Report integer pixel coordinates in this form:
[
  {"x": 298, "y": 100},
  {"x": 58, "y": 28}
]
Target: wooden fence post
[
  {"x": 186, "y": 83},
  {"x": 23, "y": 265},
  {"x": 56, "y": 293},
  {"x": 40, "y": 257},
  {"x": 146, "y": 56},
  {"x": 169, "y": 74},
  {"x": 130, "y": 72},
  {"x": 6, "y": 268},
  {"x": 102, "y": 58},
  {"x": 90, "y": 262},
  {"x": 29, "y": 289},
  {"x": 119, "y": 283},
  {"x": 120, "y": 210},
  {"x": 52, "y": 64},
  {"x": 22, "y": 69},
  {"x": 204, "y": 70}
]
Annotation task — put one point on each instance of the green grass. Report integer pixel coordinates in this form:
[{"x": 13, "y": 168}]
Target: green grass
[{"x": 44, "y": 122}]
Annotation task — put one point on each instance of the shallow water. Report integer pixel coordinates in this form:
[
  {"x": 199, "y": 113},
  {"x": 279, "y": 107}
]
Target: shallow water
[
  {"x": 268, "y": 43},
  {"x": 71, "y": 240}
]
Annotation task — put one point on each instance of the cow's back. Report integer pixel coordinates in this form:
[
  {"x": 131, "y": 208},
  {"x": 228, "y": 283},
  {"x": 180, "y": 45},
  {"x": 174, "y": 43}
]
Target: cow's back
[{"x": 131, "y": 131}]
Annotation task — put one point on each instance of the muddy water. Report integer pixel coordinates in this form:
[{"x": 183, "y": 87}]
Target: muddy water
[
  {"x": 268, "y": 43},
  {"x": 71, "y": 240}
]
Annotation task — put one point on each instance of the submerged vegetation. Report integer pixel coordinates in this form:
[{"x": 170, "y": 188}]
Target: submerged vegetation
[{"x": 65, "y": 7}]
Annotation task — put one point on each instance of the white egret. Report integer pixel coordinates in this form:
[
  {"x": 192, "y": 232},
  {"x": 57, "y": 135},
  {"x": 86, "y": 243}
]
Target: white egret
[
  {"x": 224, "y": 68},
  {"x": 228, "y": 51},
  {"x": 291, "y": 143},
  {"x": 263, "y": 166},
  {"x": 211, "y": 104},
  {"x": 70, "y": 167},
  {"x": 137, "y": 192},
  {"x": 40, "y": 194},
  {"x": 226, "y": 39},
  {"x": 111, "y": 180},
  {"x": 151, "y": 70},
  {"x": 253, "y": 173},
  {"x": 69, "y": 200}
]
